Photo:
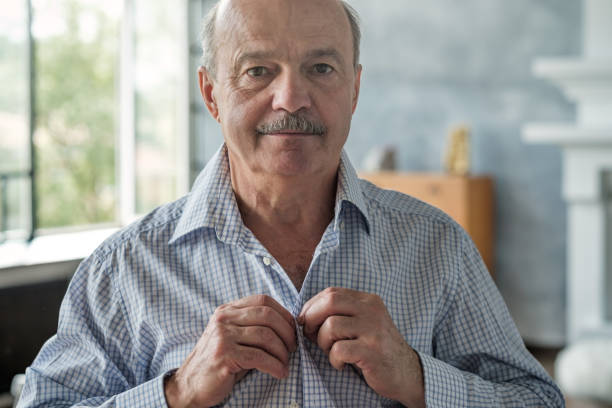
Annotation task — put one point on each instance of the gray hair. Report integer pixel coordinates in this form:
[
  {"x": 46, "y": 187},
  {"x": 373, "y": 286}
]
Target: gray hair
[{"x": 209, "y": 45}]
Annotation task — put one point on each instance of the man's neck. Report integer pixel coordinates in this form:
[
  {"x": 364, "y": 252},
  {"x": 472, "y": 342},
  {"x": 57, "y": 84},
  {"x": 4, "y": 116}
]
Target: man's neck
[{"x": 300, "y": 204}]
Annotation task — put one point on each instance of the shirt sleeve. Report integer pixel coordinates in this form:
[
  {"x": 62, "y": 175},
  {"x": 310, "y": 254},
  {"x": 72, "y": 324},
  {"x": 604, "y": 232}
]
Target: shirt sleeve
[
  {"x": 479, "y": 358},
  {"x": 90, "y": 361}
]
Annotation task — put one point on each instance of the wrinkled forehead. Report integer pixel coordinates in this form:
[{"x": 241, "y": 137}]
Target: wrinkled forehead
[{"x": 283, "y": 25}]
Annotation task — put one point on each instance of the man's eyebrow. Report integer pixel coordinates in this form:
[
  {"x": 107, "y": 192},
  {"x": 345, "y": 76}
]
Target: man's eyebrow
[
  {"x": 252, "y": 55},
  {"x": 316, "y": 53},
  {"x": 326, "y": 52}
]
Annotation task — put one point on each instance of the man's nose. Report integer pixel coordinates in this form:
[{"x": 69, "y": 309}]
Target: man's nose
[{"x": 291, "y": 93}]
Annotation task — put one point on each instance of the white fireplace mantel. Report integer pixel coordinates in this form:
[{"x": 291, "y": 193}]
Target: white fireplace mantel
[
  {"x": 568, "y": 135},
  {"x": 587, "y": 164}
]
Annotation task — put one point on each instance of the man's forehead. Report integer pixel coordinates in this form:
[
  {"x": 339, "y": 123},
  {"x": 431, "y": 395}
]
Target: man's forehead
[
  {"x": 226, "y": 5},
  {"x": 271, "y": 19}
]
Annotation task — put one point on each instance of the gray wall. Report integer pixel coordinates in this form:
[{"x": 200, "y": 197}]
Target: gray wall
[{"x": 429, "y": 65}]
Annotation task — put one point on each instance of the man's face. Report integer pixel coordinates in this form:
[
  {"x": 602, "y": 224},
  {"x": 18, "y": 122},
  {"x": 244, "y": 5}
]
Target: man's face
[{"x": 277, "y": 59}]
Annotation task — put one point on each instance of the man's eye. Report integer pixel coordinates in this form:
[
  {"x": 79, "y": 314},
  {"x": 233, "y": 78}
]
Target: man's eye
[
  {"x": 257, "y": 71},
  {"x": 322, "y": 69}
]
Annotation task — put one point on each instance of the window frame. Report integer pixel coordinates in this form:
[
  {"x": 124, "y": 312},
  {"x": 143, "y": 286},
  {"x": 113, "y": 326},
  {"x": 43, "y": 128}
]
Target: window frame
[{"x": 125, "y": 134}]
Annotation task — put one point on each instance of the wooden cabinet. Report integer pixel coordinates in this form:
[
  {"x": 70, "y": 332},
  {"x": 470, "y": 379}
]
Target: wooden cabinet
[{"x": 468, "y": 200}]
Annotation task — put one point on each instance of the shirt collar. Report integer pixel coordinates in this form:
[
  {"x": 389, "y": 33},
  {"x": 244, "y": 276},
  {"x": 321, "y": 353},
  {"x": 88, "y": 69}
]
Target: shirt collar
[
  {"x": 349, "y": 191},
  {"x": 212, "y": 204}
]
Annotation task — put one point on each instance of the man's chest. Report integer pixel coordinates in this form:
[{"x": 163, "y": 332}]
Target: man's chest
[
  {"x": 294, "y": 255},
  {"x": 295, "y": 264},
  {"x": 170, "y": 306}
]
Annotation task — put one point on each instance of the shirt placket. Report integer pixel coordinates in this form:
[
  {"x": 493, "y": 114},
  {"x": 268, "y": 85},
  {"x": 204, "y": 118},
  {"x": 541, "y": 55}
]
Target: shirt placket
[{"x": 304, "y": 387}]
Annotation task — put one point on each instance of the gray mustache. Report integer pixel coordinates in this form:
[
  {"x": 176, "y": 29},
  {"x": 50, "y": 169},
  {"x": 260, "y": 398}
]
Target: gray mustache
[{"x": 293, "y": 122}]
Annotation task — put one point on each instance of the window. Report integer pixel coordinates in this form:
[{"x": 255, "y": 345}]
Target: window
[
  {"x": 158, "y": 86},
  {"x": 76, "y": 60},
  {"x": 93, "y": 119},
  {"x": 14, "y": 121}
]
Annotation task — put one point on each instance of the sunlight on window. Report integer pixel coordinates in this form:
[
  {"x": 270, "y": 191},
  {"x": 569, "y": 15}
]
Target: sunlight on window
[
  {"x": 84, "y": 95},
  {"x": 14, "y": 113},
  {"x": 77, "y": 51},
  {"x": 157, "y": 86}
]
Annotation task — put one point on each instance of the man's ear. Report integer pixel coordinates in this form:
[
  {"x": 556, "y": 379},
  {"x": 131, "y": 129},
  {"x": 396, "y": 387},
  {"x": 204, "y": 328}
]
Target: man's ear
[
  {"x": 206, "y": 89},
  {"x": 357, "y": 87}
]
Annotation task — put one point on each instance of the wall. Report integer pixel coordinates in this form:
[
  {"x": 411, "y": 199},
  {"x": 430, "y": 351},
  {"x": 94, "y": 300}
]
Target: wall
[{"x": 429, "y": 65}]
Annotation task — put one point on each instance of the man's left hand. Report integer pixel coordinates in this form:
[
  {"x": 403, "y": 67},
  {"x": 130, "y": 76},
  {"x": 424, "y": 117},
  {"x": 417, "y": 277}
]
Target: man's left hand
[{"x": 355, "y": 328}]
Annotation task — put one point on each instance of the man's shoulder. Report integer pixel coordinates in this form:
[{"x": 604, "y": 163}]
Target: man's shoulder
[
  {"x": 153, "y": 229},
  {"x": 383, "y": 202}
]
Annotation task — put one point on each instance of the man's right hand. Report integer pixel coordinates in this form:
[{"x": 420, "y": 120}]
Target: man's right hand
[{"x": 255, "y": 332}]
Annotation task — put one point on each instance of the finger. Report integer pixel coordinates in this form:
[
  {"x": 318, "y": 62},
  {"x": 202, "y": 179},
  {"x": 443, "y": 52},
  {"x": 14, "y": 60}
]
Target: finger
[
  {"x": 263, "y": 316},
  {"x": 331, "y": 301},
  {"x": 347, "y": 352},
  {"x": 266, "y": 339},
  {"x": 267, "y": 301},
  {"x": 252, "y": 358},
  {"x": 336, "y": 328},
  {"x": 267, "y": 312},
  {"x": 315, "y": 299}
]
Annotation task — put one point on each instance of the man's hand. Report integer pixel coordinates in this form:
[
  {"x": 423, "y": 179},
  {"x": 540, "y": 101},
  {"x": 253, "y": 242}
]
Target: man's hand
[
  {"x": 355, "y": 328},
  {"x": 252, "y": 333}
]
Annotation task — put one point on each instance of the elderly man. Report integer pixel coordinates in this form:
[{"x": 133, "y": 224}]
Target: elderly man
[{"x": 281, "y": 279}]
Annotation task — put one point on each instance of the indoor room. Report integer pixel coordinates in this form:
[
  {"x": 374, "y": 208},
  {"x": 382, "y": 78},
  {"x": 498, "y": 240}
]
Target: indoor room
[{"x": 121, "y": 119}]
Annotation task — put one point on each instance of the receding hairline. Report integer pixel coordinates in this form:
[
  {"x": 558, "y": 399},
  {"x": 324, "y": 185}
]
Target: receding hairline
[{"x": 209, "y": 32}]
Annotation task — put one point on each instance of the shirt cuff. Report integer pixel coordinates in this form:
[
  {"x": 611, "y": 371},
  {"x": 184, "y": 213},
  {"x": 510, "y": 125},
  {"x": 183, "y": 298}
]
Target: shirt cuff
[
  {"x": 447, "y": 386},
  {"x": 149, "y": 394}
]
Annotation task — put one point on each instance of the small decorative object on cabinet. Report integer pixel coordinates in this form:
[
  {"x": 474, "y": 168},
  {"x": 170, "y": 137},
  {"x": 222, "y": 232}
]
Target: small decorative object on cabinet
[{"x": 467, "y": 199}]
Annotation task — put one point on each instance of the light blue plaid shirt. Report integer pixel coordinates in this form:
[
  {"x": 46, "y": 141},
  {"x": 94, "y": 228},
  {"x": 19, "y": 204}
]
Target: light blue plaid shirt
[{"x": 137, "y": 306}]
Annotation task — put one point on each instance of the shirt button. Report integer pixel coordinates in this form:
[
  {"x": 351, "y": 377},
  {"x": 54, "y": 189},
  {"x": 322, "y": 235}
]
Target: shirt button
[
  {"x": 294, "y": 405},
  {"x": 267, "y": 261}
]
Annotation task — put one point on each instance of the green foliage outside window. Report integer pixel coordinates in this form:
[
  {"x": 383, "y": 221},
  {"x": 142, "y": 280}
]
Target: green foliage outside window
[{"x": 76, "y": 118}]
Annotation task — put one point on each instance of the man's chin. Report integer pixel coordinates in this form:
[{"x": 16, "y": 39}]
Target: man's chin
[
  {"x": 291, "y": 163},
  {"x": 290, "y": 168},
  {"x": 290, "y": 147}
]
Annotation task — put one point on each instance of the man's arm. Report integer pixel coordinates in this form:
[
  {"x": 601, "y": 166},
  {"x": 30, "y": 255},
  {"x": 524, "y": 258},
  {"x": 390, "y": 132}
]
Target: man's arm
[
  {"x": 87, "y": 362},
  {"x": 92, "y": 360},
  {"x": 479, "y": 357}
]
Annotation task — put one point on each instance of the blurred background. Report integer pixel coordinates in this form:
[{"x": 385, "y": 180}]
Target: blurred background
[{"x": 101, "y": 121}]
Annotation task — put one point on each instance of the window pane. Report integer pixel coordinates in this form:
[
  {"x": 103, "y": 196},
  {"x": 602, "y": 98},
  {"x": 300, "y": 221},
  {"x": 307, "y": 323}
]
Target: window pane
[
  {"x": 14, "y": 72},
  {"x": 77, "y": 51},
  {"x": 15, "y": 211},
  {"x": 157, "y": 73},
  {"x": 14, "y": 125}
]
